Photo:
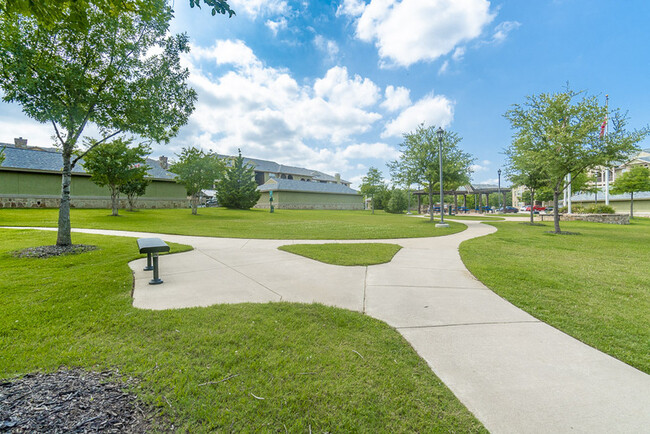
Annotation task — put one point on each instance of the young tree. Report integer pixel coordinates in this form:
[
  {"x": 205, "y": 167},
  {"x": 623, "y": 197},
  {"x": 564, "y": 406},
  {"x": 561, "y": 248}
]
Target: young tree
[
  {"x": 135, "y": 187},
  {"x": 371, "y": 185},
  {"x": 421, "y": 158},
  {"x": 635, "y": 180},
  {"x": 196, "y": 170},
  {"x": 398, "y": 201},
  {"x": 2, "y": 155},
  {"x": 562, "y": 135},
  {"x": 402, "y": 174},
  {"x": 113, "y": 164},
  {"x": 237, "y": 188},
  {"x": 103, "y": 75}
]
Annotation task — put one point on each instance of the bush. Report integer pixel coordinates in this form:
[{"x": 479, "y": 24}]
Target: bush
[
  {"x": 600, "y": 209},
  {"x": 575, "y": 209},
  {"x": 398, "y": 202}
]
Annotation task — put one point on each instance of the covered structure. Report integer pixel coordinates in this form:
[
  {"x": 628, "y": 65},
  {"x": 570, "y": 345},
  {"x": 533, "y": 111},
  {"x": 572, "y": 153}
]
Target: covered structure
[
  {"x": 292, "y": 194},
  {"x": 477, "y": 190}
]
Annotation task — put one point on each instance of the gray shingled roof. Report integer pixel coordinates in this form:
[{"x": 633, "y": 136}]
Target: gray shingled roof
[
  {"x": 305, "y": 186},
  {"x": 273, "y": 167},
  {"x": 49, "y": 160}
]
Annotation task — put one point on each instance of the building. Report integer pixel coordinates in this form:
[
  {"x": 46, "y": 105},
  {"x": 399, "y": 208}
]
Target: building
[
  {"x": 296, "y": 194},
  {"x": 30, "y": 177}
]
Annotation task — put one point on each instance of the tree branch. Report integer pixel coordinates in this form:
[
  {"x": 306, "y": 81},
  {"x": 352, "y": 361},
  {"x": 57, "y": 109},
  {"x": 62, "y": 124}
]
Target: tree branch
[{"x": 79, "y": 157}]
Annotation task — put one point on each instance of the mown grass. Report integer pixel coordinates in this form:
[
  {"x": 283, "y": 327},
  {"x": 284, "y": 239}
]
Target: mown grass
[
  {"x": 255, "y": 223},
  {"x": 594, "y": 286},
  {"x": 318, "y": 368},
  {"x": 345, "y": 254}
]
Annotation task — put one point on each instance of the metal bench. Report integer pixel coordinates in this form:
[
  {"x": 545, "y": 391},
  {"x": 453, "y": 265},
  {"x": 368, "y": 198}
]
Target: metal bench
[{"x": 152, "y": 246}]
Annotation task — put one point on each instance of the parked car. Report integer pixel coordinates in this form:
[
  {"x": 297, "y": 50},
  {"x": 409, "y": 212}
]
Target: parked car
[
  {"x": 536, "y": 208},
  {"x": 507, "y": 210},
  {"x": 211, "y": 203}
]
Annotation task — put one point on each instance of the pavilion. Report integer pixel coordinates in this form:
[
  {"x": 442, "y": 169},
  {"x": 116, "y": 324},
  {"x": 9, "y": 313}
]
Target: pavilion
[{"x": 478, "y": 190}]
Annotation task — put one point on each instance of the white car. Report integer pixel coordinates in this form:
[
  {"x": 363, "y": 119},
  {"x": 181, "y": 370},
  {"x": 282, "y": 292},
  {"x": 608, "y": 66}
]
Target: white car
[{"x": 523, "y": 208}]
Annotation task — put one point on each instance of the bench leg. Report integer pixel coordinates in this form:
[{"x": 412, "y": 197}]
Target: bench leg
[
  {"x": 156, "y": 279},
  {"x": 149, "y": 267}
]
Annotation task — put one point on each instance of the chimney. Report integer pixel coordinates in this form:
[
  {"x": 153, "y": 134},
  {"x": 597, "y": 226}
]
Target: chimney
[
  {"x": 164, "y": 163},
  {"x": 20, "y": 142},
  {"x": 338, "y": 178}
]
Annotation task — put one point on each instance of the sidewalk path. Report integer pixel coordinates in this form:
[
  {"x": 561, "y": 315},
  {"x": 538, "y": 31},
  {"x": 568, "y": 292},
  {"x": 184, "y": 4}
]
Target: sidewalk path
[{"x": 514, "y": 372}]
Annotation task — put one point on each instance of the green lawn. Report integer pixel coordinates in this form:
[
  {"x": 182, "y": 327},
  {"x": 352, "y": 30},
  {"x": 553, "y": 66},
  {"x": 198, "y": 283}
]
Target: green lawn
[
  {"x": 221, "y": 222},
  {"x": 318, "y": 368},
  {"x": 594, "y": 286},
  {"x": 346, "y": 254}
]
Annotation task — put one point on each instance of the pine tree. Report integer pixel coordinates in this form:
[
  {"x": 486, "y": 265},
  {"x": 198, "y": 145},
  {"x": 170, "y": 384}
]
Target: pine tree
[{"x": 237, "y": 188}]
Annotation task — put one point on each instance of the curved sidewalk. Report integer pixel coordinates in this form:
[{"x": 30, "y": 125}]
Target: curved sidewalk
[{"x": 514, "y": 372}]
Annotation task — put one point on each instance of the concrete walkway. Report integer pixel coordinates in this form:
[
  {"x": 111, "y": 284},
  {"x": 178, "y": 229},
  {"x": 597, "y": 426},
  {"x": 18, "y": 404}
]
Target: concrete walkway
[{"x": 515, "y": 373}]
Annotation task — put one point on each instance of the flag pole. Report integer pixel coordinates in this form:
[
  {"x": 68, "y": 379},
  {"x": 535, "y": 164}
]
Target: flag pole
[{"x": 607, "y": 167}]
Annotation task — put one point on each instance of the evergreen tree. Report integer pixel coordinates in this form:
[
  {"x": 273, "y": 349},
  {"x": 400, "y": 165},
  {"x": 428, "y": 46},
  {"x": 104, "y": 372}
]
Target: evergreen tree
[{"x": 238, "y": 189}]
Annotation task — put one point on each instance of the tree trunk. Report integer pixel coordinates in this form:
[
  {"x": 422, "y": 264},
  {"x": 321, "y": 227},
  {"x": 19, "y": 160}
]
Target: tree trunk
[
  {"x": 194, "y": 201},
  {"x": 556, "y": 211},
  {"x": 532, "y": 206},
  {"x": 372, "y": 203},
  {"x": 131, "y": 200},
  {"x": 115, "y": 195},
  {"x": 431, "y": 203},
  {"x": 63, "y": 237},
  {"x": 632, "y": 205}
]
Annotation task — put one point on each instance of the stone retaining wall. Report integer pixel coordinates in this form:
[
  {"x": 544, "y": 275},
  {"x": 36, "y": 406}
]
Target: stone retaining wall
[
  {"x": 616, "y": 219},
  {"x": 20, "y": 201}
]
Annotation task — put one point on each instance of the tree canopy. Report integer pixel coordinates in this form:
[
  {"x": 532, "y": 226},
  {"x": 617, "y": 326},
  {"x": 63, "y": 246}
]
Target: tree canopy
[
  {"x": 113, "y": 164},
  {"x": 420, "y": 160},
  {"x": 104, "y": 75},
  {"x": 197, "y": 171},
  {"x": 635, "y": 180},
  {"x": 372, "y": 184},
  {"x": 237, "y": 188},
  {"x": 560, "y": 134}
]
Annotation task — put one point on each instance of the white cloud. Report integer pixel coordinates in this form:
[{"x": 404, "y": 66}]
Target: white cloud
[
  {"x": 396, "y": 98},
  {"x": 377, "y": 150},
  {"x": 268, "y": 114},
  {"x": 255, "y": 8},
  {"x": 458, "y": 54},
  {"x": 435, "y": 27},
  {"x": 276, "y": 26},
  {"x": 430, "y": 110},
  {"x": 337, "y": 87},
  {"x": 328, "y": 46},
  {"x": 443, "y": 67},
  {"x": 484, "y": 166},
  {"x": 503, "y": 29}
]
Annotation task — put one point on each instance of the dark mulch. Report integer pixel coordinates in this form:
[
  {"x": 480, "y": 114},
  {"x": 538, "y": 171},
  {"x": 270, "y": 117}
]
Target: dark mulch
[
  {"x": 49, "y": 251},
  {"x": 71, "y": 401}
]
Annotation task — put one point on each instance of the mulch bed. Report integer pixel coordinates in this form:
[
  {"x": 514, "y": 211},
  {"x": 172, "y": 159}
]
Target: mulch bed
[
  {"x": 49, "y": 251},
  {"x": 71, "y": 401}
]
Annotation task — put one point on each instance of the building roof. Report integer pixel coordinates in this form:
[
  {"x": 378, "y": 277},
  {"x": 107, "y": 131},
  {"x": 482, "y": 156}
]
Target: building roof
[
  {"x": 589, "y": 197},
  {"x": 305, "y": 187},
  {"x": 273, "y": 167},
  {"x": 50, "y": 160}
]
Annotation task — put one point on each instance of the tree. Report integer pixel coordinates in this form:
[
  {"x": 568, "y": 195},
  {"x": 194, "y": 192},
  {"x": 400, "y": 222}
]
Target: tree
[
  {"x": 398, "y": 201},
  {"x": 420, "y": 158},
  {"x": 372, "y": 184},
  {"x": 632, "y": 181},
  {"x": 2, "y": 155},
  {"x": 238, "y": 189},
  {"x": 104, "y": 75},
  {"x": 113, "y": 164},
  {"x": 136, "y": 186},
  {"x": 402, "y": 174},
  {"x": 561, "y": 135},
  {"x": 196, "y": 170},
  {"x": 48, "y": 12}
]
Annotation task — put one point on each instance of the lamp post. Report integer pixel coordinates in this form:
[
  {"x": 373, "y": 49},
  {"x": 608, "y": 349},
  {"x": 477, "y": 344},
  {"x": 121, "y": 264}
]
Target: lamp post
[
  {"x": 440, "y": 133},
  {"x": 499, "y": 188}
]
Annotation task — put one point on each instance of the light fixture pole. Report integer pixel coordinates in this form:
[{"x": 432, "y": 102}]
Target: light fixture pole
[
  {"x": 504, "y": 205},
  {"x": 440, "y": 133}
]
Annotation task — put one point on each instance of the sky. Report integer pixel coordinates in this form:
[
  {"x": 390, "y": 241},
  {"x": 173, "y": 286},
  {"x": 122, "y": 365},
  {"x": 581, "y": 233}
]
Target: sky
[{"x": 334, "y": 85}]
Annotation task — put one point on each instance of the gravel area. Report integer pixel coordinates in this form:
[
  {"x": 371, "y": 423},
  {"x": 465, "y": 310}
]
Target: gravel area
[
  {"x": 48, "y": 251},
  {"x": 71, "y": 401}
]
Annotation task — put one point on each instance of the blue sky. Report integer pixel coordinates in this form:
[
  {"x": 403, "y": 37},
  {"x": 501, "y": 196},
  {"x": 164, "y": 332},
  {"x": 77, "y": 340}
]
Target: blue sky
[{"x": 333, "y": 85}]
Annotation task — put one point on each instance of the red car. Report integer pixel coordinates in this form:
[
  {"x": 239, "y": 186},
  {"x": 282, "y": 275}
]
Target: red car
[{"x": 536, "y": 208}]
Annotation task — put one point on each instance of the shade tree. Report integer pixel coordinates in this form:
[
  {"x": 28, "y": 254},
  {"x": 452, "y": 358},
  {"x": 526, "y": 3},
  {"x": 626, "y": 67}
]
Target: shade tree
[
  {"x": 636, "y": 180},
  {"x": 373, "y": 185},
  {"x": 197, "y": 170}
]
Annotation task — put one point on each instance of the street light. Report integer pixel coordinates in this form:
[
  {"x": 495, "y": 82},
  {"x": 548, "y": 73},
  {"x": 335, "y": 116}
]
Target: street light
[
  {"x": 499, "y": 172},
  {"x": 440, "y": 133}
]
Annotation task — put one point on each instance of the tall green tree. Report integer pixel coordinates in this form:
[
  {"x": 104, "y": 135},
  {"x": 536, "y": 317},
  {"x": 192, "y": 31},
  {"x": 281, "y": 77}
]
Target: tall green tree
[
  {"x": 135, "y": 187},
  {"x": 112, "y": 164},
  {"x": 635, "y": 180},
  {"x": 197, "y": 170},
  {"x": 103, "y": 75},
  {"x": 561, "y": 132},
  {"x": 420, "y": 157},
  {"x": 371, "y": 185},
  {"x": 524, "y": 168},
  {"x": 237, "y": 188}
]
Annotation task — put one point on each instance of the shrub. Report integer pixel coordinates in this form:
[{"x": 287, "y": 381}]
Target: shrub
[
  {"x": 600, "y": 209},
  {"x": 575, "y": 209},
  {"x": 398, "y": 202}
]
